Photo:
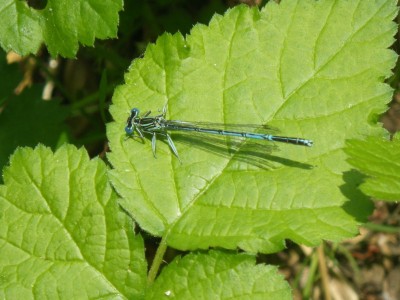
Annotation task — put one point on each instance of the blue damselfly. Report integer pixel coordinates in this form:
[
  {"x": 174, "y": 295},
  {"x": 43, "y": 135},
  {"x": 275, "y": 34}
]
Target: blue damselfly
[{"x": 158, "y": 125}]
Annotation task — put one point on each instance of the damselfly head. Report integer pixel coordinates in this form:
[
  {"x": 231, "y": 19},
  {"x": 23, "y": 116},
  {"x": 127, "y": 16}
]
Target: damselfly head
[
  {"x": 134, "y": 112},
  {"x": 129, "y": 122}
]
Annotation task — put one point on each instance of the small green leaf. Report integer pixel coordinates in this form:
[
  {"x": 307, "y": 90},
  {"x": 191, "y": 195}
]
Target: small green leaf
[
  {"x": 296, "y": 66},
  {"x": 62, "y": 24},
  {"x": 380, "y": 160},
  {"x": 219, "y": 275},
  {"x": 63, "y": 235}
]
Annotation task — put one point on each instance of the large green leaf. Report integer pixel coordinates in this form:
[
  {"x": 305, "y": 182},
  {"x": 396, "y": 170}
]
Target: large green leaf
[
  {"x": 219, "y": 275},
  {"x": 313, "y": 69},
  {"x": 63, "y": 235},
  {"x": 62, "y": 24},
  {"x": 380, "y": 160}
]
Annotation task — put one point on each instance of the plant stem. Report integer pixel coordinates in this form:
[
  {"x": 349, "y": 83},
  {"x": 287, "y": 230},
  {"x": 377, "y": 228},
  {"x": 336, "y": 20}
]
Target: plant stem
[
  {"x": 307, "y": 291},
  {"x": 381, "y": 228},
  {"x": 158, "y": 258},
  {"x": 323, "y": 270}
]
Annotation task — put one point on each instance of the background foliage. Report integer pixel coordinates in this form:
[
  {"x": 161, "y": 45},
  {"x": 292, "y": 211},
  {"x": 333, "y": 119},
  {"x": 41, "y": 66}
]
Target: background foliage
[{"x": 321, "y": 77}]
